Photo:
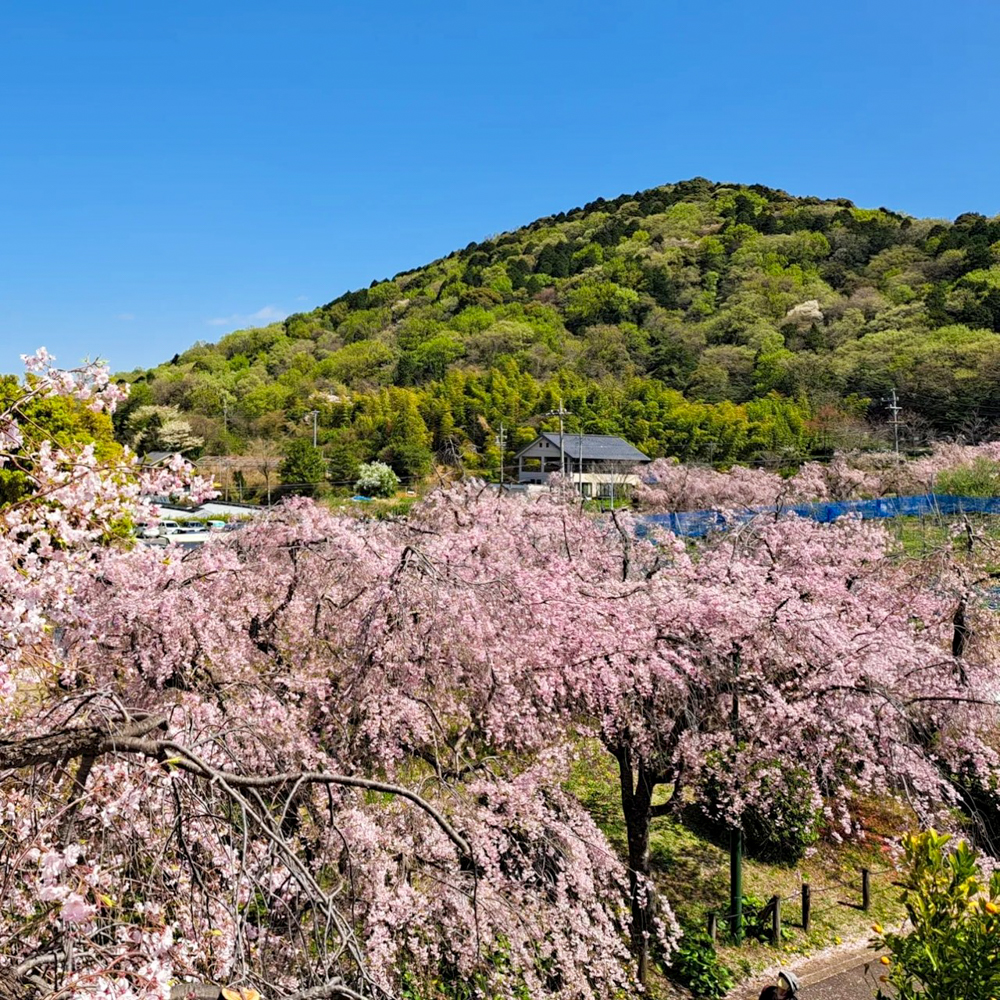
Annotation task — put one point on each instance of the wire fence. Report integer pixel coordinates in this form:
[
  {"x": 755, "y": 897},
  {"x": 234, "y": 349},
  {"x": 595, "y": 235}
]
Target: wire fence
[{"x": 698, "y": 523}]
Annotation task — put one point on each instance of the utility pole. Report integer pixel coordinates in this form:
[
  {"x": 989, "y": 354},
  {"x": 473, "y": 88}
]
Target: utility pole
[
  {"x": 502, "y": 444},
  {"x": 314, "y": 414},
  {"x": 562, "y": 449},
  {"x": 560, "y": 413},
  {"x": 895, "y": 408},
  {"x": 736, "y": 832}
]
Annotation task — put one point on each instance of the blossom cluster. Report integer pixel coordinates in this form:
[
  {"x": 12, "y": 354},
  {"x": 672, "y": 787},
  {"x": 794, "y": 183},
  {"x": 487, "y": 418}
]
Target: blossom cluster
[{"x": 666, "y": 486}]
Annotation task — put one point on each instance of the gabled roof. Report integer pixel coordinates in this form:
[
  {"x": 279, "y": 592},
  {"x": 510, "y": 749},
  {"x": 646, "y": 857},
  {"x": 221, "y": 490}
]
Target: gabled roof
[
  {"x": 158, "y": 457},
  {"x": 594, "y": 447}
]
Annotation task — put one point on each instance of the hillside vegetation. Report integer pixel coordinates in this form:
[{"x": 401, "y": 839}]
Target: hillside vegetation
[{"x": 713, "y": 322}]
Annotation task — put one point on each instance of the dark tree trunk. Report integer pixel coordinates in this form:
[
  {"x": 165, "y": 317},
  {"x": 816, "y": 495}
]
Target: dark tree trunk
[
  {"x": 961, "y": 633},
  {"x": 12, "y": 987},
  {"x": 637, "y": 797}
]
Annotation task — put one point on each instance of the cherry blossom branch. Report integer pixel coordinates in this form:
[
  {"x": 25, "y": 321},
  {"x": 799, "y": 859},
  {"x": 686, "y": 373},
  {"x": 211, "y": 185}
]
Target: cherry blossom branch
[
  {"x": 94, "y": 741},
  {"x": 162, "y": 749},
  {"x": 208, "y": 991}
]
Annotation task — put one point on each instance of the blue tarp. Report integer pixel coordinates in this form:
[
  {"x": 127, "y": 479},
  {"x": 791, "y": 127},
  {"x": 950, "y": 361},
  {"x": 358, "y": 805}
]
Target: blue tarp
[{"x": 697, "y": 523}]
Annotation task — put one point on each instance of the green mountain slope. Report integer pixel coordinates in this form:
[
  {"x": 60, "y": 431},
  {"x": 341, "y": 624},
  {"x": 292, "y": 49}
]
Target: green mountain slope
[{"x": 714, "y": 322}]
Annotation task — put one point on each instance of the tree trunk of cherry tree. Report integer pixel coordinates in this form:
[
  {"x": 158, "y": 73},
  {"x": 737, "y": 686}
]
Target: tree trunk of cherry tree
[
  {"x": 637, "y": 797},
  {"x": 12, "y": 987}
]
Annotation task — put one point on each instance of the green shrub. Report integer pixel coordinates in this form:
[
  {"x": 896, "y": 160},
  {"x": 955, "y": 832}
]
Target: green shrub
[
  {"x": 696, "y": 965},
  {"x": 786, "y": 823},
  {"x": 950, "y": 948},
  {"x": 980, "y": 478}
]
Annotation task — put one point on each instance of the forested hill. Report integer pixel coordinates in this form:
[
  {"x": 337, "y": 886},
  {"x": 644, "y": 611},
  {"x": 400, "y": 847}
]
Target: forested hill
[{"x": 710, "y": 321}]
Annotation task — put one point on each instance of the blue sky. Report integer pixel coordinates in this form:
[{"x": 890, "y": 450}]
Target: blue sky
[{"x": 169, "y": 172}]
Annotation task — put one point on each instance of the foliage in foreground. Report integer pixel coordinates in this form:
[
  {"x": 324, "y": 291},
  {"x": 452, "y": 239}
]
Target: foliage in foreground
[
  {"x": 697, "y": 966},
  {"x": 952, "y": 946}
]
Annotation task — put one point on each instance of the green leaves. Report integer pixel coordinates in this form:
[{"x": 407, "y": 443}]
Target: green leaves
[
  {"x": 951, "y": 949},
  {"x": 303, "y": 468}
]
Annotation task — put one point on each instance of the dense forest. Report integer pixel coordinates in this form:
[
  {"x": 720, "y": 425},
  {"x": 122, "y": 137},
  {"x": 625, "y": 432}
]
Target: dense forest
[{"x": 713, "y": 322}]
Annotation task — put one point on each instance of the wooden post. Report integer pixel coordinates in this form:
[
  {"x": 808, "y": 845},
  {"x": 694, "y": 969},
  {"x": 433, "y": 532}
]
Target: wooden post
[
  {"x": 713, "y": 926},
  {"x": 776, "y": 920},
  {"x": 806, "y": 904},
  {"x": 866, "y": 894}
]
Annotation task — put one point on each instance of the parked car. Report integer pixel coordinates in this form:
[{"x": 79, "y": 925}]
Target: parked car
[{"x": 168, "y": 527}]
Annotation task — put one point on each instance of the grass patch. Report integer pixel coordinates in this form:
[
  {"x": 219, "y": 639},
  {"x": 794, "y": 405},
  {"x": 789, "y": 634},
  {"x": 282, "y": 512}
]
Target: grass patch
[
  {"x": 919, "y": 537},
  {"x": 378, "y": 507}
]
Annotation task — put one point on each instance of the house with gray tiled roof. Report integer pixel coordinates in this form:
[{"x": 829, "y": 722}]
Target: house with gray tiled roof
[{"x": 598, "y": 464}]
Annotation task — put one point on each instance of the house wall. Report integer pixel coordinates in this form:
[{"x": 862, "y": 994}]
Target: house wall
[{"x": 593, "y": 480}]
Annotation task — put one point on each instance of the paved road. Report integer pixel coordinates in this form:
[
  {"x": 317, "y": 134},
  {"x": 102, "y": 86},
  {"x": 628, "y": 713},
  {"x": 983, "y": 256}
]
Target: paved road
[
  {"x": 850, "y": 985},
  {"x": 830, "y": 977}
]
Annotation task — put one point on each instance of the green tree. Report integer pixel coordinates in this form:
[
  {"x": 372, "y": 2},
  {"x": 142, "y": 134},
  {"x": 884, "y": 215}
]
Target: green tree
[
  {"x": 66, "y": 421},
  {"x": 406, "y": 448},
  {"x": 303, "y": 468},
  {"x": 343, "y": 465}
]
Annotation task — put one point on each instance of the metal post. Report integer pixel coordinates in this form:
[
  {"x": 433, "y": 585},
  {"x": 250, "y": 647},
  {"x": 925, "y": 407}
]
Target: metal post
[
  {"x": 775, "y": 920},
  {"x": 866, "y": 895},
  {"x": 562, "y": 450},
  {"x": 736, "y": 884},
  {"x": 736, "y": 834},
  {"x": 895, "y": 423},
  {"x": 502, "y": 442},
  {"x": 560, "y": 413},
  {"x": 806, "y": 905}
]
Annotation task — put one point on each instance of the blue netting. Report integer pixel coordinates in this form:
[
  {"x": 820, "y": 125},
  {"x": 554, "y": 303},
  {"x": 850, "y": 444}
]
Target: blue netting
[{"x": 697, "y": 523}]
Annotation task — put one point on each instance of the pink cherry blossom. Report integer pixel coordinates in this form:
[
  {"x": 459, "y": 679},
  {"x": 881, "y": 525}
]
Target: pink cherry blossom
[{"x": 329, "y": 751}]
